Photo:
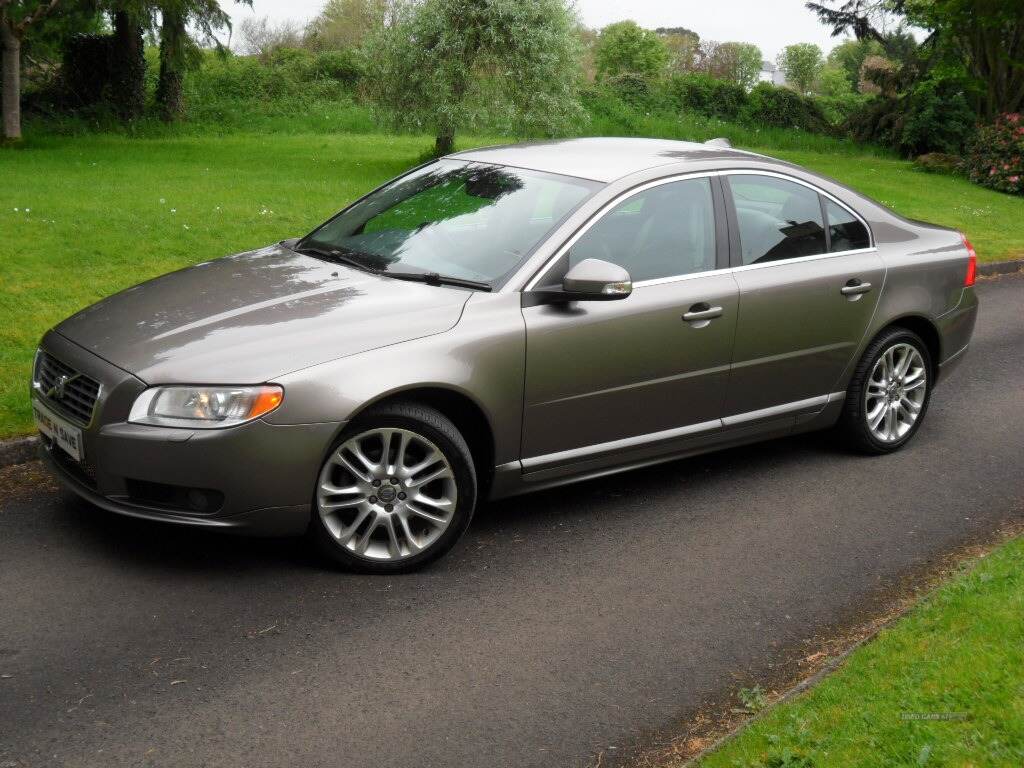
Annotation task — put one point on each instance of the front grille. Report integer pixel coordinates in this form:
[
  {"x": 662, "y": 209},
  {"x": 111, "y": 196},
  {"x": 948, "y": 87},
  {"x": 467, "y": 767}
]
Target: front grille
[{"x": 79, "y": 391}]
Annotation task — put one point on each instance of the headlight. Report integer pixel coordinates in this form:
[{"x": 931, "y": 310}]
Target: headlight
[{"x": 202, "y": 407}]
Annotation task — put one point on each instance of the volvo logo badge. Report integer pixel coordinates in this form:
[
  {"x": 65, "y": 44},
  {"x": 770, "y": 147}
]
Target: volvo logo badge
[{"x": 57, "y": 391}]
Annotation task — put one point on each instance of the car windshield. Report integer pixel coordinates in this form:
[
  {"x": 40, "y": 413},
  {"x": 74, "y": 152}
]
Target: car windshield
[{"x": 468, "y": 221}]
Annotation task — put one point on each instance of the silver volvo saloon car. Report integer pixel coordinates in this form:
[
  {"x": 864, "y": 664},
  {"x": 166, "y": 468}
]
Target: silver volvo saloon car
[{"x": 499, "y": 321}]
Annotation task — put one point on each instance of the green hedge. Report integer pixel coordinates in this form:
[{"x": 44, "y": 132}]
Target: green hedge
[
  {"x": 765, "y": 106},
  {"x": 776, "y": 107},
  {"x": 934, "y": 116},
  {"x": 291, "y": 76},
  {"x": 707, "y": 95}
]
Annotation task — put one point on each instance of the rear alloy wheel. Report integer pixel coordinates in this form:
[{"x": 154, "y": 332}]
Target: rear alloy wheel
[
  {"x": 895, "y": 392},
  {"x": 396, "y": 492},
  {"x": 889, "y": 393}
]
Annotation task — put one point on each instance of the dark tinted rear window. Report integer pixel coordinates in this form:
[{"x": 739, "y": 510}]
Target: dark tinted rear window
[
  {"x": 845, "y": 231},
  {"x": 777, "y": 219}
]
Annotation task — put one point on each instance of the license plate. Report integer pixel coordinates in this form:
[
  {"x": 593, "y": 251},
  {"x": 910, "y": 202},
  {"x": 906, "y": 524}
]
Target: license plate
[{"x": 68, "y": 437}]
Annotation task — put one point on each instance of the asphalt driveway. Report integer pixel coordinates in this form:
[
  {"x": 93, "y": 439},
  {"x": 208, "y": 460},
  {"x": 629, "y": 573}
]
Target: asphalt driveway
[{"x": 566, "y": 623}]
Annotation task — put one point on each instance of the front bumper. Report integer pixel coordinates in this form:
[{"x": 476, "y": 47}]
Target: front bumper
[{"x": 263, "y": 475}]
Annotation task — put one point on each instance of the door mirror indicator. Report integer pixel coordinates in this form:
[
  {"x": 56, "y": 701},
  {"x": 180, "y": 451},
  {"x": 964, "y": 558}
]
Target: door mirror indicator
[{"x": 590, "y": 280}]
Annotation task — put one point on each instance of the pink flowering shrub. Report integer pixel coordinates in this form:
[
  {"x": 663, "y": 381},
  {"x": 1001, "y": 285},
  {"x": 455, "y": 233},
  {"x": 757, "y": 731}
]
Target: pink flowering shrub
[{"x": 996, "y": 156}]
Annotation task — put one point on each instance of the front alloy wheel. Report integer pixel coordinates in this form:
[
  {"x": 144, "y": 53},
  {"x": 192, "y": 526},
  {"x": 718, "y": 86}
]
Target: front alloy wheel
[{"x": 396, "y": 492}]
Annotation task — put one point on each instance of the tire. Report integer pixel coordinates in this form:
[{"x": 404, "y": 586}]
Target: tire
[
  {"x": 871, "y": 387},
  {"x": 373, "y": 514}
]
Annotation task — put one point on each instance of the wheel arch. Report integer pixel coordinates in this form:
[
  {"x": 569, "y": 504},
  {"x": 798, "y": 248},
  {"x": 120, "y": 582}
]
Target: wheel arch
[
  {"x": 928, "y": 332},
  {"x": 468, "y": 416}
]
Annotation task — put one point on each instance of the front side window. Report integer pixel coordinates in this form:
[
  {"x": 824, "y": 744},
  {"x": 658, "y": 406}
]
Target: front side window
[
  {"x": 664, "y": 231},
  {"x": 846, "y": 233},
  {"x": 777, "y": 219},
  {"x": 471, "y": 221}
]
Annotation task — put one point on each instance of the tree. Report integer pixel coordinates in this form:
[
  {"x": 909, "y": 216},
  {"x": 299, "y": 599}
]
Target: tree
[
  {"x": 677, "y": 31},
  {"x": 260, "y": 37},
  {"x": 878, "y": 75},
  {"x": 683, "y": 47},
  {"x": 987, "y": 36},
  {"x": 849, "y": 57},
  {"x": 443, "y": 65},
  {"x": 127, "y": 58},
  {"x": 349, "y": 23},
  {"x": 801, "y": 64},
  {"x": 587, "y": 39},
  {"x": 179, "y": 49},
  {"x": 738, "y": 63},
  {"x": 16, "y": 16},
  {"x": 984, "y": 37},
  {"x": 837, "y": 97},
  {"x": 626, "y": 48}
]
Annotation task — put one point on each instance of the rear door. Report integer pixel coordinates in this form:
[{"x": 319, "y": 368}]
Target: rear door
[{"x": 809, "y": 280}]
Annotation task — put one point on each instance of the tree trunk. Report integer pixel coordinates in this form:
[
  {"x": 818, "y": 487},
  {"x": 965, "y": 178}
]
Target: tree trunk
[
  {"x": 172, "y": 57},
  {"x": 12, "y": 81},
  {"x": 444, "y": 144},
  {"x": 128, "y": 68}
]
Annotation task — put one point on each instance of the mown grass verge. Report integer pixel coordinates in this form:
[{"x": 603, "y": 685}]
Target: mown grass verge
[
  {"x": 84, "y": 216},
  {"x": 943, "y": 686}
]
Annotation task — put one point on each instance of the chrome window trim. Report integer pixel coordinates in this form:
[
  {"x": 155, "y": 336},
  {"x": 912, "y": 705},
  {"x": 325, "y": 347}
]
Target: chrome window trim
[
  {"x": 625, "y": 195},
  {"x": 747, "y": 267},
  {"x": 602, "y": 211},
  {"x": 801, "y": 259},
  {"x": 820, "y": 191},
  {"x": 679, "y": 278}
]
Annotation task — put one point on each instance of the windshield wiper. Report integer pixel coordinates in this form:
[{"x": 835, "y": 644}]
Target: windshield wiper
[
  {"x": 335, "y": 256},
  {"x": 433, "y": 278},
  {"x": 430, "y": 278}
]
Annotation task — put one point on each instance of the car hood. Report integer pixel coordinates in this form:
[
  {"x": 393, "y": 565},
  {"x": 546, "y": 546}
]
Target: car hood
[{"x": 248, "y": 318}]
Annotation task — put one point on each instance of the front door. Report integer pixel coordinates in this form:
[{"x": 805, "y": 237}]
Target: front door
[{"x": 603, "y": 372}]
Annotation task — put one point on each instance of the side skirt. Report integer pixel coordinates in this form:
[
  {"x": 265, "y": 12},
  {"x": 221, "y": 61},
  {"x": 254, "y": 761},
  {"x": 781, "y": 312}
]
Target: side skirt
[{"x": 519, "y": 477}]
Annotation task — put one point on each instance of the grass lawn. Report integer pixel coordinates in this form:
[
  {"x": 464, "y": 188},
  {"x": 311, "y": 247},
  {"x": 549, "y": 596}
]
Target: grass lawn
[
  {"x": 958, "y": 655},
  {"x": 84, "y": 216}
]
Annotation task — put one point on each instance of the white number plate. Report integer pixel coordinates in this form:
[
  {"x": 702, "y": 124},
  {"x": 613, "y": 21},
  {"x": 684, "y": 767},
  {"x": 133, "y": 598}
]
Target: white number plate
[{"x": 59, "y": 430}]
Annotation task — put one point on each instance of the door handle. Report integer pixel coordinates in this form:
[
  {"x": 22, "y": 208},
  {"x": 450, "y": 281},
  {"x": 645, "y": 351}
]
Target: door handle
[
  {"x": 855, "y": 287},
  {"x": 702, "y": 311}
]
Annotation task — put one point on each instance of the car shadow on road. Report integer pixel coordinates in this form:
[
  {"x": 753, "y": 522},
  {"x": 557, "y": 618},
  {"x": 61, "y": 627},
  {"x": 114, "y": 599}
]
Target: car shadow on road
[
  {"x": 166, "y": 547},
  {"x": 678, "y": 476},
  {"x": 182, "y": 548}
]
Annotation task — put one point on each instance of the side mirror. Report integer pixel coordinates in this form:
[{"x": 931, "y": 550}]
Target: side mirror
[{"x": 590, "y": 280}]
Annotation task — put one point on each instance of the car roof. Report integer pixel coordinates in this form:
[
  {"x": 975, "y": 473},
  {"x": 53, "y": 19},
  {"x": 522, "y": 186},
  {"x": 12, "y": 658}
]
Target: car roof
[{"x": 601, "y": 159}]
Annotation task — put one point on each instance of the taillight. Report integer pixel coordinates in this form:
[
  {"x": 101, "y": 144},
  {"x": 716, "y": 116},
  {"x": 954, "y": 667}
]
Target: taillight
[{"x": 972, "y": 262}]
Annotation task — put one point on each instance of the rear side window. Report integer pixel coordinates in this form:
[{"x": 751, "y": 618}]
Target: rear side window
[
  {"x": 845, "y": 231},
  {"x": 777, "y": 219}
]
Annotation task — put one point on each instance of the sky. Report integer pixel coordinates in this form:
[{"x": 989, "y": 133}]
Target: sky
[{"x": 769, "y": 24}]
